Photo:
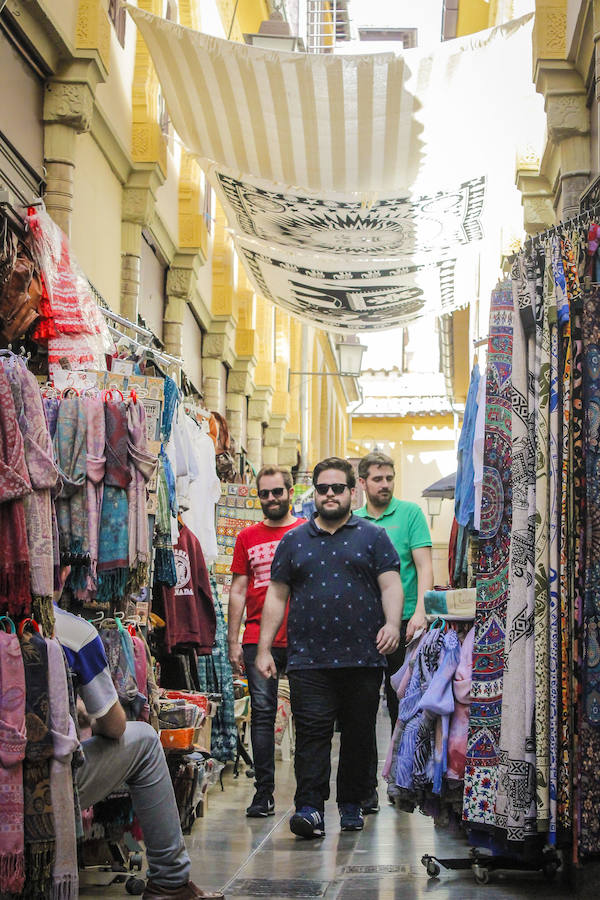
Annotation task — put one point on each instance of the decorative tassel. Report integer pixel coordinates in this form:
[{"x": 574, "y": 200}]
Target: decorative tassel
[{"x": 12, "y": 873}]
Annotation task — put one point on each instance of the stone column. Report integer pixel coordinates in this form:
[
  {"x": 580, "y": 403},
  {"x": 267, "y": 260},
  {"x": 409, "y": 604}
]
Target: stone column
[
  {"x": 217, "y": 349},
  {"x": 254, "y": 442},
  {"x": 68, "y": 110}
]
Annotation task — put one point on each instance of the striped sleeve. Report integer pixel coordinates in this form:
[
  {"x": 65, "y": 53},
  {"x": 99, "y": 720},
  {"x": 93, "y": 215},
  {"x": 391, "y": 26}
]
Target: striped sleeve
[{"x": 87, "y": 660}]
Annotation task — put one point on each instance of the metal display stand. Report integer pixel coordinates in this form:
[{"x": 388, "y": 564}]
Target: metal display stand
[{"x": 482, "y": 864}]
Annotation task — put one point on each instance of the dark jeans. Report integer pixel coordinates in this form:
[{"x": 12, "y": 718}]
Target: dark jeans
[
  {"x": 394, "y": 662},
  {"x": 263, "y": 696},
  {"x": 319, "y": 697}
]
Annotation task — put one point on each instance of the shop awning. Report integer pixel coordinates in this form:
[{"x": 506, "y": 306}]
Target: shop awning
[
  {"x": 444, "y": 488},
  {"x": 356, "y": 187}
]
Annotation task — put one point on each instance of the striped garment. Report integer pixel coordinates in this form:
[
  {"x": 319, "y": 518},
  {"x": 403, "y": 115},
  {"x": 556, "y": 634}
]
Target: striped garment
[{"x": 87, "y": 660}]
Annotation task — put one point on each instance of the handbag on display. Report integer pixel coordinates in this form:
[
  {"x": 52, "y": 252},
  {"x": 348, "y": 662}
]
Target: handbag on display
[{"x": 20, "y": 299}]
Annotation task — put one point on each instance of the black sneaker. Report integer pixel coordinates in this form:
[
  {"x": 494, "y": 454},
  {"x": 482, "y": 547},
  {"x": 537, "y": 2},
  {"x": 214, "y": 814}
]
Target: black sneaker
[
  {"x": 308, "y": 822},
  {"x": 371, "y": 804},
  {"x": 351, "y": 818},
  {"x": 262, "y": 806}
]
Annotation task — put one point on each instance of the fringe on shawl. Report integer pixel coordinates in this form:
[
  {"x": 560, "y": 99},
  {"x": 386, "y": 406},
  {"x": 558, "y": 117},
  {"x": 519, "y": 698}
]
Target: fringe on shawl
[
  {"x": 14, "y": 586},
  {"x": 112, "y": 584},
  {"x": 138, "y": 578},
  {"x": 39, "y": 862},
  {"x": 43, "y": 613},
  {"x": 12, "y": 873},
  {"x": 65, "y": 887}
]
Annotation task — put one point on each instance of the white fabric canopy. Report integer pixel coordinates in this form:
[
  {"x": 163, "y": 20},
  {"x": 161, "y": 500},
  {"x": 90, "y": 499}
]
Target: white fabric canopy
[
  {"x": 355, "y": 186},
  {"x": 346, "y": 223}
]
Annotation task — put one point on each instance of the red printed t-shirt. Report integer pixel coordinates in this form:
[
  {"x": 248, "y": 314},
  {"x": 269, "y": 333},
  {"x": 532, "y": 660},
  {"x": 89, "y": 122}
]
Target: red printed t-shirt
[{"x": 253, "y": 554}]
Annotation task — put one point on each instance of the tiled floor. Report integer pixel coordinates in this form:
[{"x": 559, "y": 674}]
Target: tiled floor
[{"x": 254, "y": 858}]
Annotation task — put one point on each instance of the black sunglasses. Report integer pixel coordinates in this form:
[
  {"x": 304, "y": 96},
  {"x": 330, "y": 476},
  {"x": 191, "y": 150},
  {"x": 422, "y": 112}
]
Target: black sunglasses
[
  {"x": 337, "y": 488},
  {"x": 277, "y": 493}
]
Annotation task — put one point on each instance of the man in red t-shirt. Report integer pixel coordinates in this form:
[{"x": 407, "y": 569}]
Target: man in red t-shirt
[{"x": 251, "y": 568}]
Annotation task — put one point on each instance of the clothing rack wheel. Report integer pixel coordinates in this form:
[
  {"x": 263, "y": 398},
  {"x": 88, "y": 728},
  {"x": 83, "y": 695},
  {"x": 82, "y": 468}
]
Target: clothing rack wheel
[{"x": 135, "y": 885}]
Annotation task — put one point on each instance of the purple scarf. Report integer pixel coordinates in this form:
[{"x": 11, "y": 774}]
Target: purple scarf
[{"x": 12, "y": 753}]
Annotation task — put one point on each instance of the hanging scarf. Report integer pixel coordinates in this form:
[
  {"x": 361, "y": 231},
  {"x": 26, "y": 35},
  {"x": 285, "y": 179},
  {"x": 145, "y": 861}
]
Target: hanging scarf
[
  {"x": 516, "y": 814},
  {"x": 12, "y": 753},
  {"x": 121, "y": 663},
  {"x": 142, "y": 466},
  {"x": 141, "y": 672},
  {"x": 171, "y": 398},
  {"x": 64, "y": 735},
  {"x": 214, "y": 675},
  {"x": 416, "y": 728},
  {"x": 96, "y": 466},
  {"x": 71, "y": 454},
  {"x": 113, "y": 545},
  {"x": 164, "y": 566},
  {"x": 14, "y": 486},
  {"x": 39, "y": 827},
  {"x": 43, "y": 475},
  {"x": 481, "y": 774},
  {"x": 51, "y": 407}
]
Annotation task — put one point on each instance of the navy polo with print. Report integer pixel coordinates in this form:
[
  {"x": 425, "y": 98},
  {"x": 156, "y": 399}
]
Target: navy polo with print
[{"x": 335, "y": 602}]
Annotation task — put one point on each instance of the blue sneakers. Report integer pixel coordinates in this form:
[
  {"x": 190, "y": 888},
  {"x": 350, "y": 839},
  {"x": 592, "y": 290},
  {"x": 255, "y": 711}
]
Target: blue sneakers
[
  {"x": 308, "y": 822},
  {"x": 351, "y": 817}
]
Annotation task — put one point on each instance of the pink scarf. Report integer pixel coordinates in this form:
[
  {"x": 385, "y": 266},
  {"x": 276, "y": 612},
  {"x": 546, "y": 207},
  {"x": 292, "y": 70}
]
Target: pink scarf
[
  {"x": 141, "y": 673},
  {"x": 142, "y": 466},
  {"x": 65, "y": 878},
  {"x": 12, "y": 753},
  {"x": 43, "y": 474},
  {"x": 14, "y": 485}
]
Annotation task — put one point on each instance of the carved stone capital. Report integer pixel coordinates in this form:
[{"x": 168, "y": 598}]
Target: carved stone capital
[
  {"x": 259, "y": 406},
  {"x": 239, "y": 381},
  {"x": 215, "y": 345},
  {"x": 538, "y": 213},
  {"x": 138, "y": 205},
  {"x": 288, "y": 452},
  {"x": 567, "y": 116},
  {"x": 69, "y": 103},
  {"x": 180, "y": 282}
]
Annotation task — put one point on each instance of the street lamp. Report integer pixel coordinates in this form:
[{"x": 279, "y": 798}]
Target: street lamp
[
  {"x": 275, "y": 33},
  {"x": 350, "y": 356},
  {"x": 434, "y": 507}
]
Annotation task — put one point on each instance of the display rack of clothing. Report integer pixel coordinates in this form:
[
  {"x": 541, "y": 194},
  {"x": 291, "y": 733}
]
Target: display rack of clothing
[{"x": 531, "y": 779}]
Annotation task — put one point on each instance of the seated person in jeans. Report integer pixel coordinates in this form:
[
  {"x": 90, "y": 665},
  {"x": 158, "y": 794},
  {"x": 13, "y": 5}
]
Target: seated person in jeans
[
  {"x": 251, "y": 567},
  {"x": 121, "y": 752}
]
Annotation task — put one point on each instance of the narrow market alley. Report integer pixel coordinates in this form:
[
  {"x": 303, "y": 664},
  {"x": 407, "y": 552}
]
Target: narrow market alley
[{"x": 253, "y": 858}]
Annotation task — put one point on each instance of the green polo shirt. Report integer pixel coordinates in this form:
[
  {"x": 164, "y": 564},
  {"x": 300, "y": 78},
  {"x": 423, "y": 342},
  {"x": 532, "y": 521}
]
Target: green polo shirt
[{"x": 407, "y": 528}]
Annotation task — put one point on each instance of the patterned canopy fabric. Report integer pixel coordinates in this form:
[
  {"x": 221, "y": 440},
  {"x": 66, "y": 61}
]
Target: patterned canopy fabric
[{"x": 355, "y": 186}]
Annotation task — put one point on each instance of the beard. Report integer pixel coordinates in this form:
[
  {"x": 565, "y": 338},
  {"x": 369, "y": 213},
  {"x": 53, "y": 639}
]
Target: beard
[
  {"x": 334, "y": 513},
  {"x": 276, "y": 510},
  {"x": 380, "y": 500}
]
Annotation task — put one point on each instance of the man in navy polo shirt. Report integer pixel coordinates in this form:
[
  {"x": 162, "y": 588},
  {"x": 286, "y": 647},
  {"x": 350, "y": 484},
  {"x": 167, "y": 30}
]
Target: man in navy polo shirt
[{"x": 341, "y": 575}]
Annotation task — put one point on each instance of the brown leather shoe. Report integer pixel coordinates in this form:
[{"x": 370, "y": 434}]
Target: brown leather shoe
[{"x": 187, "y": 891}]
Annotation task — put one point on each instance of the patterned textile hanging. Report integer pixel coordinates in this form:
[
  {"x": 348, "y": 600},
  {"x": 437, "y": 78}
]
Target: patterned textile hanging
[
  {"x": 589, "y": 731},
  {"x": 542, "y": 548},
  {"x": 481, "y": 773},
  {"x": 515, "y": 802},
  {"x": 214, "y": 674}
]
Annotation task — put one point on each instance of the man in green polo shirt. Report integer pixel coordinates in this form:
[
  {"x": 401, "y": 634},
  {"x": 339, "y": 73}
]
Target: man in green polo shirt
[
  {"x": 408, "y": 531},
  {"x": 407, "y": 528}
]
